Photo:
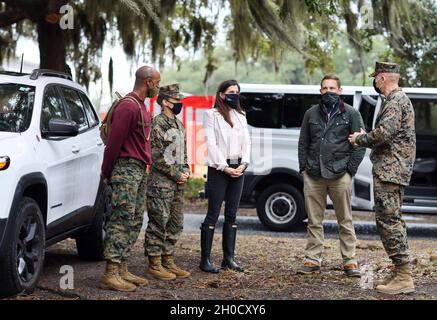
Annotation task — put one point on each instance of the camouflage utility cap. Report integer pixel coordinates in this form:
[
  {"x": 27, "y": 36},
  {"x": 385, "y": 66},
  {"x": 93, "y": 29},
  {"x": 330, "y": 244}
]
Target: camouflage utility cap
[
  {"x": 171, "y": 91},
  {"x": 386, "y": 67}
]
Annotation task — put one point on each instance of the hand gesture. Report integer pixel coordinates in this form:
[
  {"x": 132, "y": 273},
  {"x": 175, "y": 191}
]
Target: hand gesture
[
  {"x": 353, "y": 137},
  {"x": 233, "y": 173},
  {"x": 183, "y": 179},
  {"x": 241, "y": 168}
]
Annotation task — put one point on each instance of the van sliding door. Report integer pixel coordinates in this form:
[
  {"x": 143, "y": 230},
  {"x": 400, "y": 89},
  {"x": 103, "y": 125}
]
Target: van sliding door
[
  {"x": 362, "y": 191},
  {"x": 421, "y": 195}
]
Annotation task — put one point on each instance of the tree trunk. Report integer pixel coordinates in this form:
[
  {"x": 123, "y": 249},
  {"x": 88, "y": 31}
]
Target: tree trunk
[{"x": 51, "y": 43}]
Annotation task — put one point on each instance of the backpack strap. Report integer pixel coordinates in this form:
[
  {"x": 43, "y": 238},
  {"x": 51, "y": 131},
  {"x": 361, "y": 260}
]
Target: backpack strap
[{"x": 117, "y": 103}]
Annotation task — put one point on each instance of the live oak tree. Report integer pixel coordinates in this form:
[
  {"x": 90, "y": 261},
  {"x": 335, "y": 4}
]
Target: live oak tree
[{"x": 254, "y": 28}]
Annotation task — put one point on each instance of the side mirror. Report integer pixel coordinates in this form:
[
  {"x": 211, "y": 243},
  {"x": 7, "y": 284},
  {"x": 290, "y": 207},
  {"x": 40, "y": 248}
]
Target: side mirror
[{"x": 61, "y": 128}]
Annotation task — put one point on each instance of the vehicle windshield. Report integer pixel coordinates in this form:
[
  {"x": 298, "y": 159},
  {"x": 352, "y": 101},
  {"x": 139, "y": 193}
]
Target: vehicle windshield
[{"x": 16, "y": 105}]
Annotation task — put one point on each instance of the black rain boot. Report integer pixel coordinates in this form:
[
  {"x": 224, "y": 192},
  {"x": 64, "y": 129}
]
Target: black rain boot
[
  {"x": 229, "y": 237},
  {"x": 206, "y": 237}
]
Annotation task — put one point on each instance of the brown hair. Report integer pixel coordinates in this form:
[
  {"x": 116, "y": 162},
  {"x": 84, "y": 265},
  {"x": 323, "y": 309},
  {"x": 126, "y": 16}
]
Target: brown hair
[
  {"x": 221, "y": 104},
  {"x": 331, "y": 77}
]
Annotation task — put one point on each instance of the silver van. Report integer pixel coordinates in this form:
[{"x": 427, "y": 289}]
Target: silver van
[{"x": 273, "y": 184}]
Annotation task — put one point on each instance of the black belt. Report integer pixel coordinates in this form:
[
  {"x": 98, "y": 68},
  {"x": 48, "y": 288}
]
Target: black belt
[{"x": 234, "y": 163}]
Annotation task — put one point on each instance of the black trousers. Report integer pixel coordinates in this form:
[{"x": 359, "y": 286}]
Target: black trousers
[{"x": 221, "y": 187}]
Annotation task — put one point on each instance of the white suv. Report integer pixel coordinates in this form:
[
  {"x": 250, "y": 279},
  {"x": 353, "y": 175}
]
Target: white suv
[{"x": 50, "y": 186}]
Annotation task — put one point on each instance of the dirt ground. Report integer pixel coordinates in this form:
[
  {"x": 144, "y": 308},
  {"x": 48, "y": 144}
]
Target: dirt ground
[{"x": 270, "y": 264}]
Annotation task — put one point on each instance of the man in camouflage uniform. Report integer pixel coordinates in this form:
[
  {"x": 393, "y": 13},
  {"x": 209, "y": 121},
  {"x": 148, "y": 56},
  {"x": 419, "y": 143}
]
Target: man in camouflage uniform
[
  {"x": 393, "y": 144},
  {"x": 127, "y": 154},
  {"x": 169, "y": 172}
]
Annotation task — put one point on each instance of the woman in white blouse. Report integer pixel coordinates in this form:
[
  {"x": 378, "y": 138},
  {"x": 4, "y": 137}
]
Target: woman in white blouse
[{"x": 228, "y": 143}]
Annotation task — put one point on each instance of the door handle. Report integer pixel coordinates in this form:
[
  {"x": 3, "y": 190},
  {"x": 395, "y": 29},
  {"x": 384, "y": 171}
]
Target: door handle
[
  {"x": 99, "y": 142},
  {"x": 75, "y": 149}
]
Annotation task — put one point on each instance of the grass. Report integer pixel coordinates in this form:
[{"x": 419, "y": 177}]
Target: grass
[{"x": 192, "y": 188}]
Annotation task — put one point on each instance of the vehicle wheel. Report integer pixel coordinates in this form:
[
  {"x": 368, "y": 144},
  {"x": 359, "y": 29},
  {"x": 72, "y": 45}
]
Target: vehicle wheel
[
  {"x": 90, "y": 244},
  {"x": 281, "y": 207},
  {"x": 24, "y": 257}
]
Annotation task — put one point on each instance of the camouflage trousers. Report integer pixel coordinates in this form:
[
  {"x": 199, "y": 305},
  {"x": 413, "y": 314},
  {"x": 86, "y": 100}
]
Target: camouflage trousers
[
  {"x": 391, "y": 226},
  {"x": 129, "y": 181},
  {"x": 166, "y": 221}
]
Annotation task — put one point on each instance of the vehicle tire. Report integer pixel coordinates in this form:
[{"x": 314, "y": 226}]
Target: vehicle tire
[
  {"x": 90, "y": 244},
  {"x": 281, "y": 207},
  {"x": 23, "y": 262}
]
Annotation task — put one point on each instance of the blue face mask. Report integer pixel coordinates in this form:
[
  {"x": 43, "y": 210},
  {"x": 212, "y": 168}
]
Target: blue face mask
[{"x": 232, "y": 99}]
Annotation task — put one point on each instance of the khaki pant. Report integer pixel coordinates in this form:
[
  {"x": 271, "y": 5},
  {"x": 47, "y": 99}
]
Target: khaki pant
[{"x": 315, "y": 192}]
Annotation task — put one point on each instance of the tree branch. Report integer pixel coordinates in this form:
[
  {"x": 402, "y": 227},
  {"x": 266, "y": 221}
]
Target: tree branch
[
  {"x": 10, "y": 17},
  {"x": 35, "y": 9},
  {"x": 28, "y": 8},
  {"x": 21, "y": 3},
  {"x": 54, "y": 6}
]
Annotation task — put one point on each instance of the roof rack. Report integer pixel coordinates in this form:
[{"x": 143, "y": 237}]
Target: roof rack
[
  {"x": 13, "y": 73},
  {"x": 51, "y": 73}
]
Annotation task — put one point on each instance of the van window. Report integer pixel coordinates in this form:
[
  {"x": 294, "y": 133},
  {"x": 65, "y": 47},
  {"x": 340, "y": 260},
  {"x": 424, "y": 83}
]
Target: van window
[
  {"x": 263, "y": 110},
  {"x": 426, "y": 116},
  {"x": 367, "y": 110},
  {"x": 295, "y": 107},
  {"x": 348, "y": 99},
  {"x": 273, "y": 110}
]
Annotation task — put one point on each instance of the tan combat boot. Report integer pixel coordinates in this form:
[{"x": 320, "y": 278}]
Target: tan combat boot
[
  {"x": 168, "y": 263},
  {"x": 386, "y": 280},
  {"x": 157, "y": 270},
  {"x": 129, "y": 277},
  {"x": 111, "y": 280},
  {"x": 402, "y": 282}
]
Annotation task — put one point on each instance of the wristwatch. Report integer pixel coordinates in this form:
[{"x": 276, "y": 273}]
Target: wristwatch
[{"x": 245, "y": 164}]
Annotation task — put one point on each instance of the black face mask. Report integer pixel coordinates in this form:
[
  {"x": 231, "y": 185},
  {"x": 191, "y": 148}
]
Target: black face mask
[
  {"x": 232, "y": 99},
  {"x": 376, "y": 88},
  {"x": 330, "y": 99},
  {"x": 177, "y": 108}
]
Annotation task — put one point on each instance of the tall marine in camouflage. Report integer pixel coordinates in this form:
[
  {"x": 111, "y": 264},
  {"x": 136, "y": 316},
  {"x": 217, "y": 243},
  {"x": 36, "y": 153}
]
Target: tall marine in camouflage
[
  {"x": 165, "y": 188},
  {"x": 127, "y": 154},
  {"x": 393, "y": 144}
]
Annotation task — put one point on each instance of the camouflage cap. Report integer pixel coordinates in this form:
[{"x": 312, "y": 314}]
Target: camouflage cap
[
  {"x": 386, "y": 67},
  {"x": 171, "y": 91}
]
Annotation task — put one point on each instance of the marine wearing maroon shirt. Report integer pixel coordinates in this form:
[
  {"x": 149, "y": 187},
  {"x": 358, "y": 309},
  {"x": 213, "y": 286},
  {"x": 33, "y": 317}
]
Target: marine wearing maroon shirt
[
  {"x": 124, "y": 167},
  {"x": 126, "y": 138}
]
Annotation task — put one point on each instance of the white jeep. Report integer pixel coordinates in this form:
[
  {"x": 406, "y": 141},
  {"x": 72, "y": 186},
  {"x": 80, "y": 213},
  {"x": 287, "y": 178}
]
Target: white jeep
[{"x": 50, "y": 186}]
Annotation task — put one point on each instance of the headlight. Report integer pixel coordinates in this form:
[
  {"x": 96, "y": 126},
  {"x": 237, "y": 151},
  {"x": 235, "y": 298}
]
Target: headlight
[{"x": 4, "y": 163}]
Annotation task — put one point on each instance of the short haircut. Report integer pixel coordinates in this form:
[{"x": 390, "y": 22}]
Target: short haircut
[
  {"x": 164, "y": 97},
  {"x": 143, "y": 73},
  {"x": 159, "y": 100},
  {"x": 331, "y": 77}
]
